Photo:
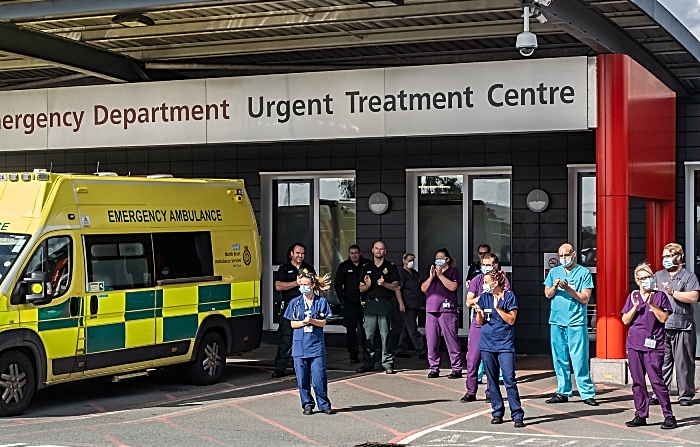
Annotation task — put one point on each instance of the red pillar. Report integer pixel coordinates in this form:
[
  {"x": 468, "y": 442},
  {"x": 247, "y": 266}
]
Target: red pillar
[{"x": 661, "y": 229}]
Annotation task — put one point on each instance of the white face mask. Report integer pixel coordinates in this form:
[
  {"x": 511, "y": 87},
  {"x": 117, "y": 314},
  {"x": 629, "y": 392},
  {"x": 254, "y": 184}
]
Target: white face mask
[
  {"x": 440, "y": 262},
  {"x": 486, "y": 269},
  {"x": 567, "y": 261},
  {"x": 668, "y": 263},
  {"x": 487, "y": 288},
  {"x": 304, "y": 289},
  {"x": 410, "y": 264},
  {"x": 648, "y": 283}
]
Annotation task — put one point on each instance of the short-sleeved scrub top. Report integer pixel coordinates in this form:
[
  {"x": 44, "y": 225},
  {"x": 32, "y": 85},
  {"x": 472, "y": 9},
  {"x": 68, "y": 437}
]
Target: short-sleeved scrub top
[
  {"x": 308, "y": 344},
  {"x": 496, "y": 334},
  {"x": 565, "y": 310}
]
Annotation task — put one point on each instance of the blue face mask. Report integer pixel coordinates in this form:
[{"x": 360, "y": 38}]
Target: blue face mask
[
  {"x": 668, "y": 263},
  {"x": 648, "y": 284},
  {"x": 440, "y": 262},
  {"x": 487, "y": 288},
  {"x": 567, "y": 261},
  {"x": 486, "y": 269},
  {"x": 305, "y": 290}
]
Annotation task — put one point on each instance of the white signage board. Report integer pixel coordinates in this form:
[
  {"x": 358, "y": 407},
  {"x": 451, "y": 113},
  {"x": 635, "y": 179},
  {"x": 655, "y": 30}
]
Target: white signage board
[
  {"x": 551, "y": 260},
  {"x": 490, "y": 97}
]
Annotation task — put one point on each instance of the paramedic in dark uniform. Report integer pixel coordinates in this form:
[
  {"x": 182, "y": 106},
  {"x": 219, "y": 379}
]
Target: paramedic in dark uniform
[
  {"x": 347, "y": 287},
  {"x": 286, "y": 283},
  {"x": 308, "y": 314},
  {"x": 475, "y": 267},
  {"x": 380, "y": 283}
]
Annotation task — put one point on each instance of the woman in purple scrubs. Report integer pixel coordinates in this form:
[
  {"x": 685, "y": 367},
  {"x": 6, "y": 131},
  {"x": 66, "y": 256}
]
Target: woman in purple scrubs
[
  {"x": 645, "y": 312},
  {"x": 442, "y": 313}
]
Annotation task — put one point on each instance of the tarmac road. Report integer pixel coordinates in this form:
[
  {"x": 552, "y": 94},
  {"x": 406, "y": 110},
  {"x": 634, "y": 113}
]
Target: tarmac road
[{"x": 250, "y": 409}]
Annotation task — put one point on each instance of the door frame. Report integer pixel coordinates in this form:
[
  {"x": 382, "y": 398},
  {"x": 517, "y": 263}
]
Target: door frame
[
  {"x": 412, "y": 213},
  {"x": 267, "y": 180}
]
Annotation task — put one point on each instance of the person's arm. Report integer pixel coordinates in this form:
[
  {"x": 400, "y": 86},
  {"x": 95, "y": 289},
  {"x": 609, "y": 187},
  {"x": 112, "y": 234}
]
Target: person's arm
[
  {"x": 399, "y": 298},
  {"x": 688, "y": 297},
  {"x": 365, "y": 284},
  {"x": 659, "y": 313},
  {"x": 339, "y": 283},
  {"x": 509, "y": 317},
  {"x": 317, "y": 322},
  {"x": 297, "y": 324},
  {"x": 471, "y": 299},
  {"x": 583, "y": 297},
  {"x": 628, "y": 316},
  {"x": 479, "y": 312},
  {"x": 550, "y": 286},
  {"x": 447, "y": 282},
  {"x": 281, "y": 286},
  {"x": 426, "y": 284}
]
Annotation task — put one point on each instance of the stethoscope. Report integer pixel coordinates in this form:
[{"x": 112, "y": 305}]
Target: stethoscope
[{"x": 297, "y": 315}]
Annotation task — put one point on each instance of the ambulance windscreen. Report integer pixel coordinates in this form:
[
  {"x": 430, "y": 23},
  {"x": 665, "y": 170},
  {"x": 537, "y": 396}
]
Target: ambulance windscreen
[{"x": 11, "y": 245}]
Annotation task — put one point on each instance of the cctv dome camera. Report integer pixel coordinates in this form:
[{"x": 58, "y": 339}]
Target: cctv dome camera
[{"x": 526, "y": 43}]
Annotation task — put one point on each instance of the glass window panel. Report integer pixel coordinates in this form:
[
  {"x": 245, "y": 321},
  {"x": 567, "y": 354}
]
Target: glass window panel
[
  {"x": 440, "y": 221},
  {"x": 490, "y": 216},
  {"x": 292, "y": 219},
  {"x": 120, "y": 261},
  {"x": 55, "y": 258},
  {"x": 587, "y": 220},
  {"x": 337, "y": 230},
  {"x": 183, "y": 255}
]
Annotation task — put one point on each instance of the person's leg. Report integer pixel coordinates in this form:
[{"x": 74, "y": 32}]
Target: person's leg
[
  {"x": 396, "y": 327},
  {"x": 385, "y": 322},
  {"x": 350, "y": 321},
  {"x": 449, "y": 323},
  {"x": 491, "y": 365},
  {"x": 652, "y": 365},
  {"x": 432, "y": 337},
  {"x": 302, "y": 368},
  {"x": 284, "y": 344},
  {"x": 506, "y": 362},
  {"x": 560, "y": 359},
  {"x": 320, "y": 381},
  {"x": 667, "y": 366},
  {"x": 410, "y": 320},
  {"x": 578, "y": 348},
  {"x": 640, "y": 394},
  {"x": 684, "y": 354},
  {"x": 473, "y": 358},
  {"x": 370, "y": 327}
]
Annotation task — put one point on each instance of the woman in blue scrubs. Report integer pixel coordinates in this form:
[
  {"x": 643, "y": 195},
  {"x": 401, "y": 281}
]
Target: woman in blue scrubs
[
  {"x": 308, "y": 314},
  {"x": 496, "y": 312}
]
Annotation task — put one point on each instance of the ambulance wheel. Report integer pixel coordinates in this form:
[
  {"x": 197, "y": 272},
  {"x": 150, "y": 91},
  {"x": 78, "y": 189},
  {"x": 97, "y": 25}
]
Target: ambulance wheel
[
  {"x": 17, "y": 383},
  {"x": 209, "y": 363}
]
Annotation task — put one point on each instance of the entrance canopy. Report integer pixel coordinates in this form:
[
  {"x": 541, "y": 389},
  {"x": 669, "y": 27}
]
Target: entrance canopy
[{"x": 77, "y": 42}]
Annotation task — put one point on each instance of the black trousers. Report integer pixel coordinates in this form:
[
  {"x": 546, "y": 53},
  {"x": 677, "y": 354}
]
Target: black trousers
[
  {"x": 396, "y": 329},
  {"x": 284, "y": 344},
  {"x": 352, "y": 320}
]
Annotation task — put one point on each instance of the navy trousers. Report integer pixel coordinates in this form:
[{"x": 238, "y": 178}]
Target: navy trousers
[
  {"x": 312, "y": 371},
  {"x": 506, "y": 362}
]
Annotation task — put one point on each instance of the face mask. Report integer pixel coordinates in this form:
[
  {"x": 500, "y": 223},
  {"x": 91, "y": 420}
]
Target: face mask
[
  {"x": 440, "y": 262},
  {"x": 487, "y": 288},
  {"x": 648, "y": 284},
  {"x": 565, "y": 261},
  {"x": 305, "y": 290},
  {"x": 486, "y": 269},
  {"x": 668, "y": 263},
  {"x": 410, "y": 264}
]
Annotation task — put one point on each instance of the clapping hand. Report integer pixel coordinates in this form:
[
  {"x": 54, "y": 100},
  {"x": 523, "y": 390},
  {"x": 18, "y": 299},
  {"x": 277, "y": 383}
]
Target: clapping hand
[
  {"x": 563, "y": 284},
  {"x": 668, "y": 288},
  {"x": 438, "y": 270},
  {"x": 368, "y": 280},
  {"x": 380, "y": 281},
  {"x": 432, "y": 271},
  {"x": 635, "y": 300}
]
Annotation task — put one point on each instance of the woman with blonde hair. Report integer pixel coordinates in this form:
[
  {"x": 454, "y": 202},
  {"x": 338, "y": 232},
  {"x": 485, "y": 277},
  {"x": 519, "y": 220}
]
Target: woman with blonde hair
[
  {"x": 645, "y": 312},
  {"x": 308, "y": 314}
]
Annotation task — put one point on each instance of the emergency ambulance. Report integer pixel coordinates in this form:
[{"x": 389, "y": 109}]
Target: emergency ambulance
[{"x": 109, "y": 275}]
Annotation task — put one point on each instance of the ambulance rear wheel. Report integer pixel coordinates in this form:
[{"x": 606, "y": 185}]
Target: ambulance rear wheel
[
  {"x": 209, "y": 363},
  {"x": 17, "y": 383}
]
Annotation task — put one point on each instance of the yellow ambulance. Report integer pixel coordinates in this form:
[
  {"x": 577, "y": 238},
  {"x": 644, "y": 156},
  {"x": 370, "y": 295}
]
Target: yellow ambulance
[{"x": 110, "y": 275}]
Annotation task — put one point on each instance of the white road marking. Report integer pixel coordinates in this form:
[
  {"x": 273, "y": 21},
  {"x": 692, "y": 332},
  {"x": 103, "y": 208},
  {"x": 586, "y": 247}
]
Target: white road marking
[
  {"x": 415, "y": 436},
  {"x": 529, "y": 435}
]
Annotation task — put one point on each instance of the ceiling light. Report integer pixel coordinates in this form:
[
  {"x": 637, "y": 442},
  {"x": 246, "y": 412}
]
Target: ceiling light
[
  {"x": 378, "y": 3},
  {"x": 133, "y": 19}
]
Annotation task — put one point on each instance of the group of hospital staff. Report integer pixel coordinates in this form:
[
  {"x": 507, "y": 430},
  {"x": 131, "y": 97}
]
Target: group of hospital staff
[{"x": 661, "y": 334}]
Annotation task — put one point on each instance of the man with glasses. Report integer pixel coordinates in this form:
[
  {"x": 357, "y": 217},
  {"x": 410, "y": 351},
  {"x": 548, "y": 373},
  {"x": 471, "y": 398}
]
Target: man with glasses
[
  {"x": 682, "y": 288},
  {"x": 475, "y": 267},
  {"x": 569, "y": 287}
]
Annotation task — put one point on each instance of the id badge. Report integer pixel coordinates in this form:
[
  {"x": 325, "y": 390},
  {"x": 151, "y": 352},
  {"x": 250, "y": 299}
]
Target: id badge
[
  {"x": 487, "y": 314},
  {"x": 650, "y": 343},
  {"x": 445, "y": 305},
  {"x": 308, "y": 328}
]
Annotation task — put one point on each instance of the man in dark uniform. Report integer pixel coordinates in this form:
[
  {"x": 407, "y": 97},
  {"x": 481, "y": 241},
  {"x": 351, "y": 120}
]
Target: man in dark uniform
[
  {"x": 286, "y": 283},
  {"x": 380, "y": 283},
  {"x": 475, "y": 267},
  {"x": 347, "y": 287}
]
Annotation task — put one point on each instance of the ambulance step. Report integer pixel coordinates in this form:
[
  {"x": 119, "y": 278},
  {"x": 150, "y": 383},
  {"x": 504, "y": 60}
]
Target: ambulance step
[{"x": 121, "y": 377}]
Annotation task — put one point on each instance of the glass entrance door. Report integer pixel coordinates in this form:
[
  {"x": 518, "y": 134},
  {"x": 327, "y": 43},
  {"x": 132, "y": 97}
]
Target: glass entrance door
[{"x": 459, "y": 209}]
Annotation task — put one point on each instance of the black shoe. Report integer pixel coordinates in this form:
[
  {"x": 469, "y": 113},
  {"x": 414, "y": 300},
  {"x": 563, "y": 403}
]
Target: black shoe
[
  {"x": 557, "y": 399},
  {"x": 653, "y": 401},
  {"x": 669, "y": 423},
  {"x": 496, "y": 420},
  {"x": 590, "y": 401},
  {"x": 328, "y": 411},
  {"x": 390, "y": 371},
  {"x": 423, "y": 356},
  {"x": 278, "y": 374},
  {"x": 403, "y": 355},
  {"x": 518, "y": 423},
  {"x": 488, "y": 398},
  {"x": 468, "y": 398},
  {"x": 308, "y": 410},
  {"x": 455, "y": 375},
  {"x": 433, "y": 374},
  {"x": 362, "y": 369},
  {"x": 354, "y": 360},
  {"x": 637, "y": 422},
  {"x": 685, "y": 403}
]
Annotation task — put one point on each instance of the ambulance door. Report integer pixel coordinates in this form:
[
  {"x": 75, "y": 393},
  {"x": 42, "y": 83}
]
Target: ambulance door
[
  {"x": 58, "y": 322},
  {"x": 119, "y": 302}
]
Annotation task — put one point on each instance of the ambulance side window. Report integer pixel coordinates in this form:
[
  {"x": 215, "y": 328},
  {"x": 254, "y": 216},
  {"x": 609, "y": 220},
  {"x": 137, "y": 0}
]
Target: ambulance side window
[
  {"x": 119, "y": 261},
  {"x": 54, "y": 257},
  {"x": 183, "y": 255}
]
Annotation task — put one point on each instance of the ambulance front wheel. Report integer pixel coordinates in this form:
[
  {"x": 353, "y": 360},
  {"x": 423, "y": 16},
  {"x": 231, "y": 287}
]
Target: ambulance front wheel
[
  {"x": 208, "y": 365},
  {"x": 17, "y": 383}
]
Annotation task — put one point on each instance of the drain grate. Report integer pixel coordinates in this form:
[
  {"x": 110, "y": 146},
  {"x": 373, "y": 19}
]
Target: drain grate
[{"x": 376, "y": 444}]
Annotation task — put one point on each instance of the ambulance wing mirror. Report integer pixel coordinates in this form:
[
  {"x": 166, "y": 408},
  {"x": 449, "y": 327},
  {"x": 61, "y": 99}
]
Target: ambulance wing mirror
[{"x": 39, "y": 290}]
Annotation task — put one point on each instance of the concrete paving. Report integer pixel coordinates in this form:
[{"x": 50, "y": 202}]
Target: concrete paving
[{"x": 250, "y": 409}]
